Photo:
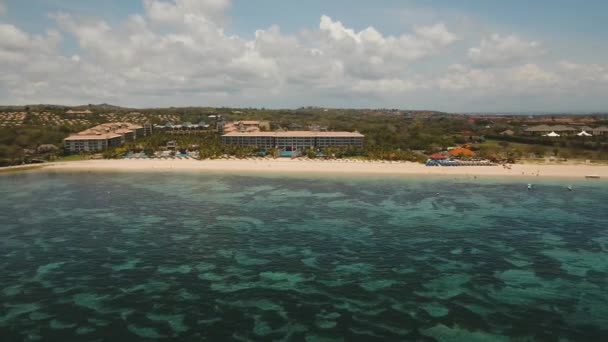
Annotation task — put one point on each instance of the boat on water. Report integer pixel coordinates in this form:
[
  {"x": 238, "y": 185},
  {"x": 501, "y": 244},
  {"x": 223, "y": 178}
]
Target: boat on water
[{"x": 592, "y": 176}]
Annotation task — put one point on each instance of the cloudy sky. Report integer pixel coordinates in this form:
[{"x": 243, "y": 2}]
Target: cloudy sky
[{"x": 466, "y": 55}]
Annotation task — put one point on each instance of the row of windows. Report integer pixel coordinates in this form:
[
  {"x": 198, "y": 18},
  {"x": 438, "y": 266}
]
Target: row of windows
[
  {"x": 86, "y": 142},
  {"x": 292, "y": 142},
  {"x": 86, "y": 146},
  {"x": 289, "y": 139},
  {"x": 341, "y": 143},
  {"x": 90, "y": 145},
  {"x": 96, "y": 144},
  {"x": 295, "y": 139}
]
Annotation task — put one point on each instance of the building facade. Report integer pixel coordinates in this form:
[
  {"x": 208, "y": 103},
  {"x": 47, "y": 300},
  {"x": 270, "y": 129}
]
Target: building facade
[
  {"x": 148, "y": 129},
  {"x": 102, "y": 137},
  {"x": 246, "y": 126},
  {"x": 602, "y": 131},
  {"x": 91, "y": 143},
  {"x": 562, "y": 130},
  {"x": 546, "y": 129},
  {"x": 295, "y": 140},
  {"x": 183, "y": 128}
]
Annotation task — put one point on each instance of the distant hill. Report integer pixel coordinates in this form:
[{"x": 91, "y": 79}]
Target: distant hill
[
  {"x": 104, "y": 107},
  {"x": 34, "y": 107},
  {"x": 41, "y": 107}
]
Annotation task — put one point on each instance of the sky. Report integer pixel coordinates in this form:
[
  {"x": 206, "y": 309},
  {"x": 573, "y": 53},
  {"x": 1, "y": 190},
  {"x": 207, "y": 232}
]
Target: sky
[{"x": 447, "y": 55}]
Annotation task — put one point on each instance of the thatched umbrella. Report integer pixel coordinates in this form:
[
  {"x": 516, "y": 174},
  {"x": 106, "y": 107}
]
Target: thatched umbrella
[
  {"x": 461, "y": 152},
  {"x": 438, "y": 156}
]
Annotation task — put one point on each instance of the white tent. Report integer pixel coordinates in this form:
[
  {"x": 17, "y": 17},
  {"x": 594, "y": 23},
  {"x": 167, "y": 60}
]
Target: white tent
[
  {"x": 584, "y": 134},
  {"x": 552, "y": 134}
]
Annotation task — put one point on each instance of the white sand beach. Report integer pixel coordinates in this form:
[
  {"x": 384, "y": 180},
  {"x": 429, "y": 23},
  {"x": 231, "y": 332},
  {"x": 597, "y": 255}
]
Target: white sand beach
[{"x": 288, "y": 166}]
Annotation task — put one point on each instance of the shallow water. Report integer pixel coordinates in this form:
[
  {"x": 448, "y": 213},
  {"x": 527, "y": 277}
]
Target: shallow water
[{"x": 127, "y": 257}]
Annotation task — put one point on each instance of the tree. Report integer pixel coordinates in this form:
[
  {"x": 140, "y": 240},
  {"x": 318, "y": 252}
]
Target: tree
[
  {"x": 23, "y": 140},
  {"x": 538, "y": 150},
  {"x": 433, "y": 148},
  {"x": 274, "y": 152},
  {"x": 312, "y": 154},
  {"x": 149, "y": 151}
]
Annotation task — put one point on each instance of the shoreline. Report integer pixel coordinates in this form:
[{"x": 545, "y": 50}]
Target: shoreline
[
  {"x": 320, "y": 167},
  {"x": 22, "y": 168}
]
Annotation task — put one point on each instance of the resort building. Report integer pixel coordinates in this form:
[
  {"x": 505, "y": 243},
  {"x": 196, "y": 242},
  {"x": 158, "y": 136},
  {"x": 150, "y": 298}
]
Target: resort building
[
  {"x": 216, "y": 121},
  {"x": 102, "y": 137},
  {"x": 561, "y": 130},
  {"x": 78, "y": 112},
  {"x": 12, "y": 119},
  {"x": 603, "y": 131},
  {"x": 171, "y": 145},
  {"x": 128, "y": 131},
  {"x": 91, "y": 143},
  {"x": 148, "y": 129},
  {"x": 546, "y": 129},
  {"x": 182, "y": 128},
  {"x": 246, "y": 126},
  {"x": 295, "y": 140}
]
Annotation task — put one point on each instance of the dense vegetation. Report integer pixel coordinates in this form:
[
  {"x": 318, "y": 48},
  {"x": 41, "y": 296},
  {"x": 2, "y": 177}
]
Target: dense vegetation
[
  {"x": 390, "y": 134},
  {"x": 19, "y": 145}
]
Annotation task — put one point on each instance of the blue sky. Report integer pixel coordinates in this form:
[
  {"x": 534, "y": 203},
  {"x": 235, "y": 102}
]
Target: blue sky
[
  {"x": 469, "y": 55},
  {"x": 575, "y": 19}
]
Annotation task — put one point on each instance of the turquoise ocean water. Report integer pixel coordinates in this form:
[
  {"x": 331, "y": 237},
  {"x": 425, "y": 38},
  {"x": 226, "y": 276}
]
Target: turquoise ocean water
[{"x": 138, "y": 257}]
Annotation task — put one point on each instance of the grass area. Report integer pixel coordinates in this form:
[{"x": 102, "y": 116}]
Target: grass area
[
  {"x": 73, "y": 157},
  {"x": 572, "y": 161},
  {"x": 523, "y": 147},
  {"x": 20, "y": 169},
  {"x": 569, "y": 153}
]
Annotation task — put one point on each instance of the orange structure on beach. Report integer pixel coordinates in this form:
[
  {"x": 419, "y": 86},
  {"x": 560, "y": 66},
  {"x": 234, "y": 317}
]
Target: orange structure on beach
[{"x": 461, "y": 152}]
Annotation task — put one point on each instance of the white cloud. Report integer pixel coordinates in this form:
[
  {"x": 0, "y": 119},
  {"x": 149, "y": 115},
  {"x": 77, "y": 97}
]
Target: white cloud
[
  {"x": 370, "y": 55},
  {"x": 387, "y": 87},
  {"x": 532, "y": 74},
  {"x": 179, "y": 53},
  {"x": 186, "y": 11},
  {"x": 296, "y": 62},
  {"x": 23, "y": 46},
  {"x": 437, "y": 34},
  {"x": 337, "y": 31},
  {"x": 461, "y": 77},
  {"x": 584, "y": 72},
  {"x": 180, "y": 49},
  {"x": 425, "y": 41},
  {"x": 13, "y": 38},
  {"x": 510, "y": 80},
  {"x": 498, "y": 50}
]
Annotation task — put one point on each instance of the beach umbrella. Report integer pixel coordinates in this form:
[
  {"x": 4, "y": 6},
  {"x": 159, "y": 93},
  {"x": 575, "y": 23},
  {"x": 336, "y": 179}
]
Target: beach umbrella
[
  {"x": 438, "y": 156},
  {"x": 461, "y": 152},
  {"x": 552, "y": 135},
  {"x": 584, "y": 134}
]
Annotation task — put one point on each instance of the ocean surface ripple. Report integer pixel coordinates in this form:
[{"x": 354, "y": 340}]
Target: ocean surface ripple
[{"x": 128, "y": 257}]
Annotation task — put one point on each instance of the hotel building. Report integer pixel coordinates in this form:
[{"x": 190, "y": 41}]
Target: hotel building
[
  {"x": 91, "y": 142},
  {"x": 102, "y": 137},
  {"x": 183, "y": 128},
  {"x": 294, "y": 140},
  {"x": 246, "y": 126}
]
